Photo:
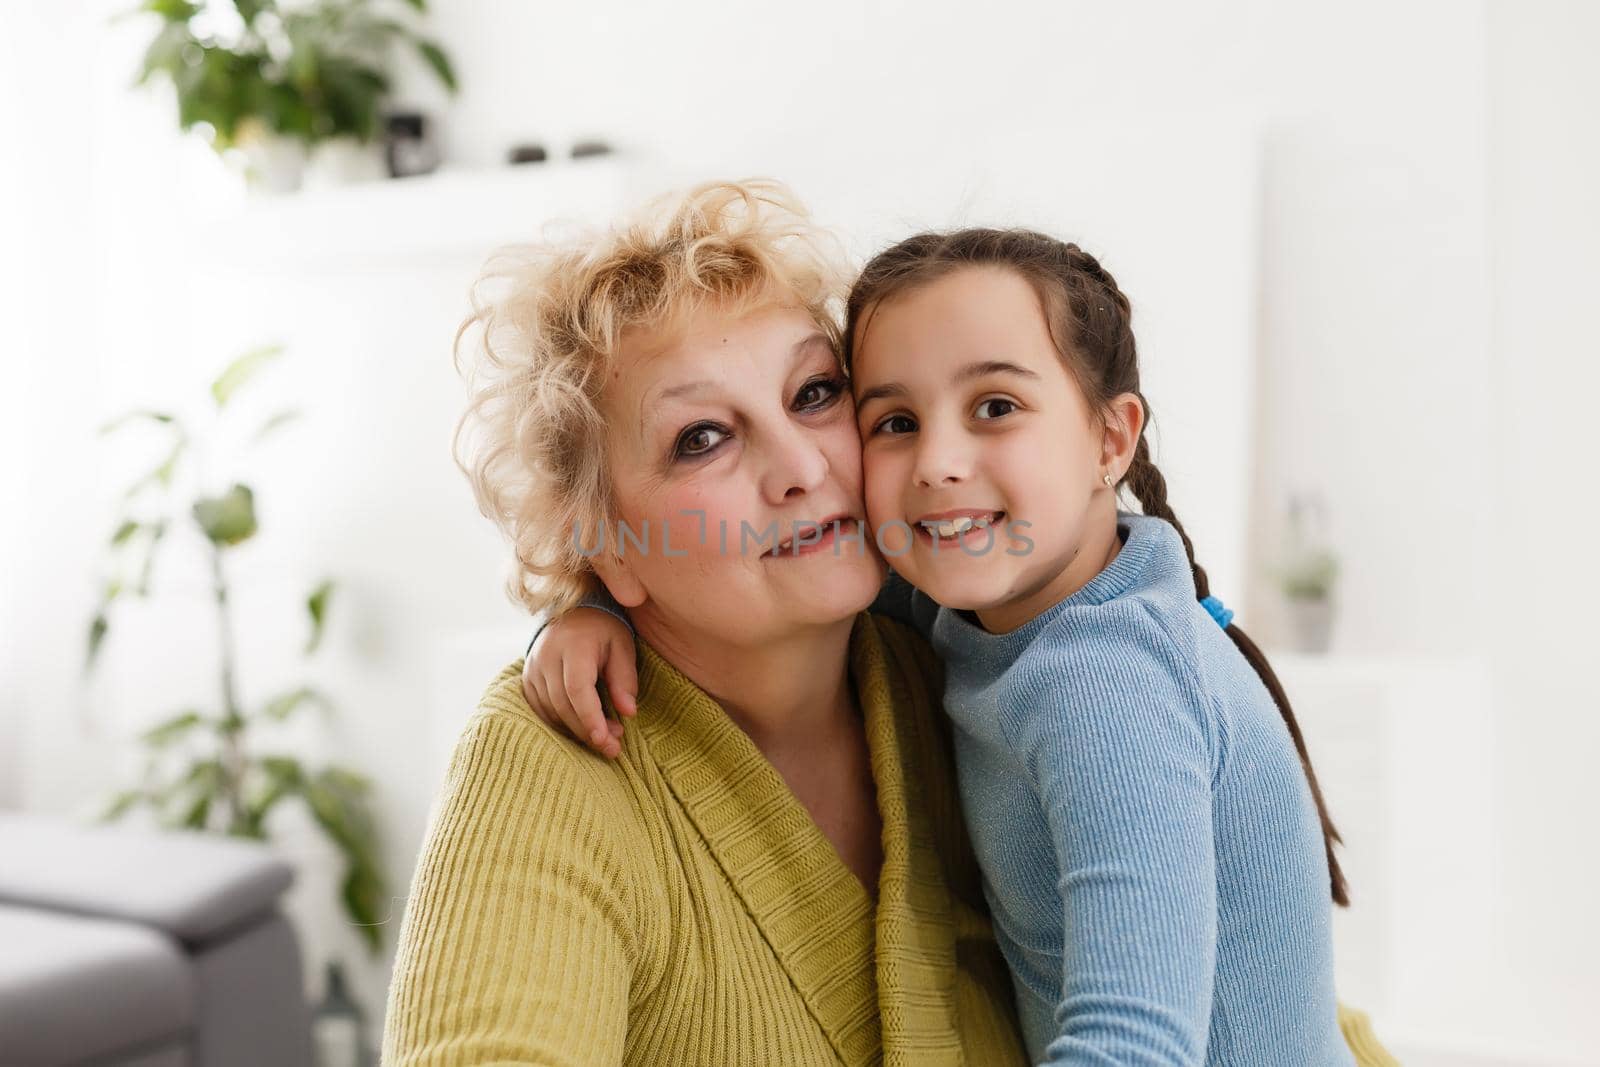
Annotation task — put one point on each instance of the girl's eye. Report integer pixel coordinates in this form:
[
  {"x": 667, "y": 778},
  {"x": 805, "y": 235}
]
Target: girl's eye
[
  {"x": 896, "y": 424},
  {"x": 818, "y": 393},
  {"x": 698, "y": 440},
  {"x": 1005, "y": 407}
]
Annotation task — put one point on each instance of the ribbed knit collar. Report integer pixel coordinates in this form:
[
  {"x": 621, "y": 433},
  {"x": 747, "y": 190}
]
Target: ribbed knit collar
[
  {"x": 1151, "y": 552},
  {"x": 837, "y": 948}
]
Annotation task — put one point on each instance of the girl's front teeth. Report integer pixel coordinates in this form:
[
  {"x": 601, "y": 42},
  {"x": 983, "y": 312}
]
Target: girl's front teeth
[{"x": 958, "y": 526}]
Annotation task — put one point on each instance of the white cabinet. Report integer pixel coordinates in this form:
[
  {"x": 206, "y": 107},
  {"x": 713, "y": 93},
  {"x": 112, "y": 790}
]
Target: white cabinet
[{"x": 1404, "y": 752}]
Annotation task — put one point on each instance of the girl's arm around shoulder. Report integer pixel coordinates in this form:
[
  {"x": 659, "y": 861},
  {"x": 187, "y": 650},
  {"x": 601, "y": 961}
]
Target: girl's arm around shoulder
[
  {"x": 520, "y": 942},
  {"x": 1118, "y": 743}
]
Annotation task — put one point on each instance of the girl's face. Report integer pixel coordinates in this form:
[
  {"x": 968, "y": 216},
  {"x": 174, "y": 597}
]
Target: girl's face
[
  {"x": 968, "y": 416},
  {"x": 728, "y": 441}
]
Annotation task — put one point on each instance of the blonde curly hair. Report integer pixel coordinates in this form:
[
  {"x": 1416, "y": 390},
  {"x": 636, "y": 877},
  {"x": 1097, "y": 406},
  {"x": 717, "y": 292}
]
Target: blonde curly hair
[{"x": 532, "y": 441}]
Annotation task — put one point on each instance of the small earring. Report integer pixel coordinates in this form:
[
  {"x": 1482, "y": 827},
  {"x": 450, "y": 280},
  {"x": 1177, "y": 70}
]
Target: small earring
[{"x": 1106, "y": 477}]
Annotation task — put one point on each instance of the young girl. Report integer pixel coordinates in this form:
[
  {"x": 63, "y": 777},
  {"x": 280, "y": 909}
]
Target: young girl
[{"x": 1155, "y": 850}]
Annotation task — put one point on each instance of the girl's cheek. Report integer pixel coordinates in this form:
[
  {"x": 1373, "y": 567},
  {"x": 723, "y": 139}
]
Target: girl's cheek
[{"x": 882, "y": 490}]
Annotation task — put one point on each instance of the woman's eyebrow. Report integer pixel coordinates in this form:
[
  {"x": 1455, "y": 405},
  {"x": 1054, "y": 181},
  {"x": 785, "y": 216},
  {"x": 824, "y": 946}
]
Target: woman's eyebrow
[
  {"x": 699, "y": 386},
  {"x": 649, "y": 404},
  {"x": 967, "y": 373},
  {"x": 706, "y": 384},
  {"x": 813, "y": 338}
]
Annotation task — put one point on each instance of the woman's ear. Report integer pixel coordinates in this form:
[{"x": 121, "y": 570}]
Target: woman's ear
[
  {"x": 619, "y": 579},
  {"x": 1124, "y": 422}
]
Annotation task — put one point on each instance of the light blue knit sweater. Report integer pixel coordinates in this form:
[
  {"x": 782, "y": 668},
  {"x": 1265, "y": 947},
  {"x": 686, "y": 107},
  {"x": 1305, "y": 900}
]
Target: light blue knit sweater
[{"x": 1150, "y": 848}]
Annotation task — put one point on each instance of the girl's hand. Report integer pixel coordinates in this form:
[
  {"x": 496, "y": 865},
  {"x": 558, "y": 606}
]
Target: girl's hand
[{"x": 562, "y": 672}]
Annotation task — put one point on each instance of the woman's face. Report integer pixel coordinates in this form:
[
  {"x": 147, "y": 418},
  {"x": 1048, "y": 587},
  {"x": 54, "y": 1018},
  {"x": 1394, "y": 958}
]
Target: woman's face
[{"x": 735, "y": 459}]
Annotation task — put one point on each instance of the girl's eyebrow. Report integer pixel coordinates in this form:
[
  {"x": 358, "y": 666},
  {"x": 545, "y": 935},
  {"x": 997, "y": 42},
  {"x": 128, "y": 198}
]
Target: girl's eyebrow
[{"x": 967, "y": 373}]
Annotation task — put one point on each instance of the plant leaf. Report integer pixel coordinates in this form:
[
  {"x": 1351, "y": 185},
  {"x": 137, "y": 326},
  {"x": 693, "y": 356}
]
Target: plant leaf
[
  {"x": 283, "y": 770},
  {"x": 165, "y": 53},
  {"x": 434, "y": 56},
  {"x": 203, "y": 772},
  {"x": 97, "y": 636},
  {"x": 345, "y": 819},
  {"x": 363, "y": 895},
  {"x": 241, "y": 371},
  {"x": 163, "y": 734},
  {"x": 249, "y": 9},
  {"x": 194, "y": 818},
  {"x": 317, "y": 608},
  {"x": 281, "y": 419},
  {"x": 122, "y": 420},
  {"x": 172, "y": 10},
  {"x": 163, "y": 472},
  {"x": 121, "y": 804},
  {"x": 345, "y": 780},
  {"x": 158, "y": 530},
  {"x": 128, "y": 528},
  {"x": 279, "y": 708},
  {"x": 259, "y": 806},
  {"x": 203, "y": 782},
  {"x": 228, "y": 519}
]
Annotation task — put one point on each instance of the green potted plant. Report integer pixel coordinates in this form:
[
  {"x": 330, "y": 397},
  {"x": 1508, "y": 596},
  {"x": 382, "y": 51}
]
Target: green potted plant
[
  {"x": 217, "y": 768},
  {"x": 270, "y": 82},
  {"x": 1308, "y": 578}
]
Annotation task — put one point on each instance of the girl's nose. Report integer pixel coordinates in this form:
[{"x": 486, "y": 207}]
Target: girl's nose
[{"x": 942, "y": 459}]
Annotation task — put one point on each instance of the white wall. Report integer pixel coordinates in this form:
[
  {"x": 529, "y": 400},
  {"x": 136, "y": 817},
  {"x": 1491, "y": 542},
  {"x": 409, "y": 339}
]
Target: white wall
[{"x": 1541, "y": 585}]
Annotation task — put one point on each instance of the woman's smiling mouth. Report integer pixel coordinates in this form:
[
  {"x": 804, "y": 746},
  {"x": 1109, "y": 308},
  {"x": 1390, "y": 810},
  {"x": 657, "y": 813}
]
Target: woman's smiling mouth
[{"x": 810, "y": 538}]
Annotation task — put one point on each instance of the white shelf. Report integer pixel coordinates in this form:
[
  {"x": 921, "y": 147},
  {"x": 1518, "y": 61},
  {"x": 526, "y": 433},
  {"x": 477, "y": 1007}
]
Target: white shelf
[{"x": 454, "y": 214}]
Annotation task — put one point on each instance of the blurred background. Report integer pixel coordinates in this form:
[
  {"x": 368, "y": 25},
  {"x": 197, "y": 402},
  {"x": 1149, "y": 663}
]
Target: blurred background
[{"x": 1360, "y": 241}]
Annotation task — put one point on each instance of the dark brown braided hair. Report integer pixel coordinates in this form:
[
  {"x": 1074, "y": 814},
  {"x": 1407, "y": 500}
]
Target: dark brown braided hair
[{"x": 1091, "y": 323}]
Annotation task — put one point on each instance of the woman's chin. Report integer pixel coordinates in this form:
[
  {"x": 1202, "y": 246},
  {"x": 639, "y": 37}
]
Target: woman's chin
[{"x": 838, "y": 590}]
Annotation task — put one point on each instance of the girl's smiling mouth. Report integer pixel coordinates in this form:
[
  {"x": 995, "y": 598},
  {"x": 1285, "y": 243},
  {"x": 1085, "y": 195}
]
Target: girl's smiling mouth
[{"x": 957, "y": 526}]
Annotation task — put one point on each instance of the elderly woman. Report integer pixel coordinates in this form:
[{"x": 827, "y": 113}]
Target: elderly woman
[{"x": 774, "y": 871}]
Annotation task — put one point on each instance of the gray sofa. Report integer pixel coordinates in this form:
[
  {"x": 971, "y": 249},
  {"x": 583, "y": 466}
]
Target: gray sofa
[{"x": 131, "y": 947}]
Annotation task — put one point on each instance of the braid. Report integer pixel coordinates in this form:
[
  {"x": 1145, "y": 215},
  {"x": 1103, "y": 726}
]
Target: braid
[
  {"x": 1148, "y": 485},
  {"x": 1084, "y": 263}
]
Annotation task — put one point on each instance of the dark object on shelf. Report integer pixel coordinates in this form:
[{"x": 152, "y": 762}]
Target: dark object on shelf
[
  {"x": 585, "y": 149},
  {"x": 528, "y": 153},
  {"x": 407, "y": 146}
]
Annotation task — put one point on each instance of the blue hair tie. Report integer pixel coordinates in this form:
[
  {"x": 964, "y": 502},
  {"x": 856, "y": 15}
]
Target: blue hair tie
[{"x": 1218, "y": 612}]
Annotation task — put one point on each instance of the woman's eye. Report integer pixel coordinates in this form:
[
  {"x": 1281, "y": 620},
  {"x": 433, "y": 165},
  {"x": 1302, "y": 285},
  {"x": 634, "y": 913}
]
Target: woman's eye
[
  {"x": 818, "y": 392},
  {"x": 996, "y": 408},
  {"x": 896, "y": 424},
  {"x": 698, "y": 440}
]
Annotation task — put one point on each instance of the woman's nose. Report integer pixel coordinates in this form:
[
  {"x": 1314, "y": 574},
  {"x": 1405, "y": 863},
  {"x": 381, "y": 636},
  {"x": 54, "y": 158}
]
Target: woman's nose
[{"x": 798, "y": 466}]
